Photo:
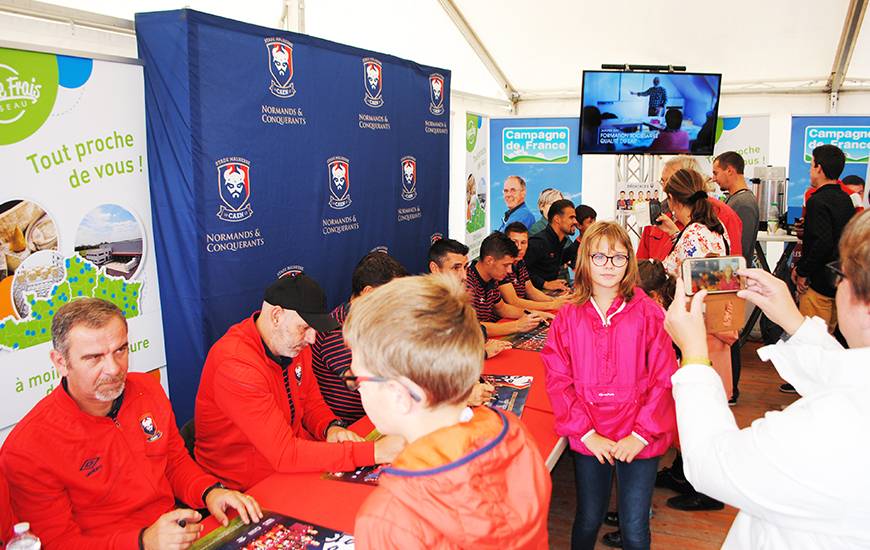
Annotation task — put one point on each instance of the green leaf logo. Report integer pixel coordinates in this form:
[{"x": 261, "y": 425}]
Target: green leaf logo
[{"x": 28, "y": 89}]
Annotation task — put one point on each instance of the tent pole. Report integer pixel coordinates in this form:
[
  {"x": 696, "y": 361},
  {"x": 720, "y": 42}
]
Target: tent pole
[
  {"x": 845, "y": 48},
  {"x": 477, "y": 45}
]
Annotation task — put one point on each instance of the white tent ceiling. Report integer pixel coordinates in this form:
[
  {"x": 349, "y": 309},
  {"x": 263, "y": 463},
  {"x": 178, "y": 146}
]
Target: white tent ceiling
[{"x": 541, "y": 47}]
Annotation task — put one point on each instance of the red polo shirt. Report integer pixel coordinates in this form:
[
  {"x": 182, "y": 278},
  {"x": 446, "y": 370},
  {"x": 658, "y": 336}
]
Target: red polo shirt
[{"x": 244, "y": 427}]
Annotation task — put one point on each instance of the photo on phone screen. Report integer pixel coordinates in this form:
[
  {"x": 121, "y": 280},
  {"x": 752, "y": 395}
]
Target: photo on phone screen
[
  {"x": 655, "y": 210},
  {"x": 715, "y": 275}
]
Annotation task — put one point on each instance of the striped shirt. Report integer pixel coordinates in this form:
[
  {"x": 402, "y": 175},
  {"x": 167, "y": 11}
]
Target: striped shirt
[
  {"x": 330, "y": 360},
  {"x": 484, "y": 295},
  {"x": 518, "y": 276}
]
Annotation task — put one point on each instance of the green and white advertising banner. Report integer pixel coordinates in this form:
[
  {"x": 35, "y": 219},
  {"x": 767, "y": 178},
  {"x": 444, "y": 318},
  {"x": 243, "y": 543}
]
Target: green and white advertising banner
[
  {"x": 476, "y": 181},
  {"x": 75, "y": 213},
  {"x": 747, "y": 135}
]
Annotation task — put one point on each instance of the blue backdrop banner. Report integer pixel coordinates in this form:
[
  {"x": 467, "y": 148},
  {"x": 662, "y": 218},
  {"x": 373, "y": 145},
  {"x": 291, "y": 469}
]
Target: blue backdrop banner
[
  {"x": 543, "y": 151},
  {"x": 849, "y": 133},
  {"x": 272, "y": 152}
]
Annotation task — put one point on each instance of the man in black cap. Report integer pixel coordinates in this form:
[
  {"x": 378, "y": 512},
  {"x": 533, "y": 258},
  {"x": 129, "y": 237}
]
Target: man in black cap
[{"x": 259, "y": 409}]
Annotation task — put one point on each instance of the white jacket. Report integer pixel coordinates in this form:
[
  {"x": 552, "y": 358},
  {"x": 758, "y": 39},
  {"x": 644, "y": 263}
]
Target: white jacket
[{"x": 801, "y": 476}]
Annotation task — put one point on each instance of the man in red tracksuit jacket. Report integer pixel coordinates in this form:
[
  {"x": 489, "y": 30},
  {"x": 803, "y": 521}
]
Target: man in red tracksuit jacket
[
  {"x": 99, "y": 462},
  {"x": 259, "y": 409}
]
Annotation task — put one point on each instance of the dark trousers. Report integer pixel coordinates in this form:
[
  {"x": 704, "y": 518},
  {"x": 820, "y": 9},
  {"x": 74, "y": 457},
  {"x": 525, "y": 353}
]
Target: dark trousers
[
  {"x": 635, "y": 484},
  {"x": 735, "y": 370}
]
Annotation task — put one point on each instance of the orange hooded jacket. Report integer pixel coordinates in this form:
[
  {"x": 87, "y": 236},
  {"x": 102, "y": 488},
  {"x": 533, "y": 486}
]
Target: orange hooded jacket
[{"x": 478, "y": 484}]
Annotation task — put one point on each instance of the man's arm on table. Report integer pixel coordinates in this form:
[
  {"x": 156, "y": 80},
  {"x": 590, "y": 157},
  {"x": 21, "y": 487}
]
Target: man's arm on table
[
  {"x": 244, "y": 396},
  {"x": 509, "y": 297}
]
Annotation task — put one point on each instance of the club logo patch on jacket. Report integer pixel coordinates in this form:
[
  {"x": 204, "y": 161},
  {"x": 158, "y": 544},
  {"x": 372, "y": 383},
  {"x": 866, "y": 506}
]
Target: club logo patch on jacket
[
  {"x": 147, "y": 423},
  {"x": 298, "y": 373}
]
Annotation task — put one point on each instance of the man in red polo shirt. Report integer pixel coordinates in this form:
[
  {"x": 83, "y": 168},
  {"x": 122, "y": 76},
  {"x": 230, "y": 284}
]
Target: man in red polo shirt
[
  {"x": 259, "y": 409},
  {"x": 98, "y": 463}
]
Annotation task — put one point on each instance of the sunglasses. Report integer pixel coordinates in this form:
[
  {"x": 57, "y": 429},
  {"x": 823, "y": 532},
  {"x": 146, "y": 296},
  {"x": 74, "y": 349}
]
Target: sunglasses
[
  {"x": 836, "y": 271},
  {"x": 352, "y": 383}
]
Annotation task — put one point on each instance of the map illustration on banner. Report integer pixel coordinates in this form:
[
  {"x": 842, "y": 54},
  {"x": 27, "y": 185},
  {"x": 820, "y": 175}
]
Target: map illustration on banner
[{"x": 75, "y": 217}]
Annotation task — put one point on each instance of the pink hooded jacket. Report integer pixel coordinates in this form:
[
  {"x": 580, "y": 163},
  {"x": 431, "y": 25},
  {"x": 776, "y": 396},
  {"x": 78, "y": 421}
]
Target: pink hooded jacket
[{"x": 612, "y": 373}]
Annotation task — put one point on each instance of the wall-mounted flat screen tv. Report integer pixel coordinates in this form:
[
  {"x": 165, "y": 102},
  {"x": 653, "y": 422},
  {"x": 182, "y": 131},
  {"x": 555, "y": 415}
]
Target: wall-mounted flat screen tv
[{"x": 649, "y": 112}]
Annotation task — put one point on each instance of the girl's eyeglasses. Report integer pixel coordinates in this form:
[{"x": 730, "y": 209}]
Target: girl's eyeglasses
[
  {"x": 352, "y": 382},
  {"x": 600, "y": 259}
]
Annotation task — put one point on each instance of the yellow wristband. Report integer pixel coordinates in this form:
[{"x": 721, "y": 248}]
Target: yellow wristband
[{"x": 695, "y": 361}]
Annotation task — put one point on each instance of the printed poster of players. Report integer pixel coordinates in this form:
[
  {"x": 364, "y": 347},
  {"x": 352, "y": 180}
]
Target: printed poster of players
[
  {"x": 510, "y": 392},
  {"x": 275, "y": 531}
]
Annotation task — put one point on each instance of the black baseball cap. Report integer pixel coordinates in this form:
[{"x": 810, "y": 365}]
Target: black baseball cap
[{"x": 303, "y": 295}]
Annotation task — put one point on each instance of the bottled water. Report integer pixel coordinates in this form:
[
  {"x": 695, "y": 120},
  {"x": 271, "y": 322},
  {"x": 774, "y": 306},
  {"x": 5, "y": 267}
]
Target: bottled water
[
  {"x": 23, "y": 539},
  {"x": 773, "y": 218}
]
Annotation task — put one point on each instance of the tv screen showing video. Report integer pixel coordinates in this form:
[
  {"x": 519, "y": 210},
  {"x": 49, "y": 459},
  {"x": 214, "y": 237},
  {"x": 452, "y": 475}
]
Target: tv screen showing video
[{"x": 643, "y": 112}]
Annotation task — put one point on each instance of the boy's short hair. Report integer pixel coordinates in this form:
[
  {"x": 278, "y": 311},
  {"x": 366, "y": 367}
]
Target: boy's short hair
[
  {"x": 516, "y": 227},
  {"x": 584, "y": 212},
  {"x": 497, "y": 245},
  {"x": 442, "y": 247},
  {"x": 422, "y": 328},
  {"x": 374, "y": 270},
  {"x": 831, "y": 159}
]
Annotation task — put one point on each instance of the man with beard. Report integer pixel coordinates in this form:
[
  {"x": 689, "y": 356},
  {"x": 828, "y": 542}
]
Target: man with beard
[{"x": 99, "y": 462}]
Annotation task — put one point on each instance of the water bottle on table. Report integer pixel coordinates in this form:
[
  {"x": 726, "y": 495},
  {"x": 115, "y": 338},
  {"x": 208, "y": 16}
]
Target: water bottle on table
[
  {"x": 23, "y": 539},
  {"x": 773, "y": 219}
]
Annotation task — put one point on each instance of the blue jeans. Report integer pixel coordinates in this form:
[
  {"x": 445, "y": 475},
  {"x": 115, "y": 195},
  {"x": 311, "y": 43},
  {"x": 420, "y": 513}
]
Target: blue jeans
[{"x": 635, "y": 483}]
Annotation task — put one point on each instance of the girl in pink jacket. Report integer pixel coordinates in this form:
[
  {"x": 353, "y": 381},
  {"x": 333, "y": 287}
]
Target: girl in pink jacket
[{"x": 609, "y": 364}]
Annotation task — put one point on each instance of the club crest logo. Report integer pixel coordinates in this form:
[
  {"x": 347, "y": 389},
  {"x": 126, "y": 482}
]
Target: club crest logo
[
  {"x": 234, "y": 188},
  {"x": 435, "y": 238},
  {"x": 338, "y": 174},
  {"x": 373, "y": 81},
  {"x": 436, "y": 94},
  {"x": 147, "y": 423},
  {"x": 298, "y": 372},
  {"x": 280, "y": 53},
  {"x": 409, "y": 178}
]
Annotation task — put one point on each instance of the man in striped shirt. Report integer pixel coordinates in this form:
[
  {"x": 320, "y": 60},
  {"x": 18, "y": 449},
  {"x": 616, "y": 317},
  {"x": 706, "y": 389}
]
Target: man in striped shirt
[
  {"x": 497, "y": 255},
  {"x": 330, "y": 356},
  {"x": 517, "y": 288}
]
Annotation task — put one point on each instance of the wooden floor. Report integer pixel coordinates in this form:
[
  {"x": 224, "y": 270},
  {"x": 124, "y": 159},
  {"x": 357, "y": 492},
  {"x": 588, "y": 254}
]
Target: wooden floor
[{"x": 759, "y": 393}]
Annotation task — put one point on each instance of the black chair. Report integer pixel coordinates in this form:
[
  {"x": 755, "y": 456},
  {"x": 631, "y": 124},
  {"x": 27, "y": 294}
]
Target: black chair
[{"x": 188, "y": 434}]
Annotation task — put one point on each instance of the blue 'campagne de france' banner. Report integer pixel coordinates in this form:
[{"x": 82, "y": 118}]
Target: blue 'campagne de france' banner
[
  {"x": 272, "y": 152},
  {"x": 849, "y": 133}
]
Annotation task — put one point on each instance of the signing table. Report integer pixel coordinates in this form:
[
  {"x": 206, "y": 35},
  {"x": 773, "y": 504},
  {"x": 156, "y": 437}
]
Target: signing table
[{"x": 334, "y": 504}]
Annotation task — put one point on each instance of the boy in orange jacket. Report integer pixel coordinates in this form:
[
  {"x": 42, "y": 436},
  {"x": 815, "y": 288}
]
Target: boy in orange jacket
[{"x": 468, "y": 477}]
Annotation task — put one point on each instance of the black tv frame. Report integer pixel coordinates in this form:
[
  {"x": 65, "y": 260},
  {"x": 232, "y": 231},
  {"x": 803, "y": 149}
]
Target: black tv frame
[{"x": 582, "y": 103}]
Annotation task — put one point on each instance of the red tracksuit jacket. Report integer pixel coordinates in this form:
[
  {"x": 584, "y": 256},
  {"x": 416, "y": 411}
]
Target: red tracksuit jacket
[
  {"x": 88, "y": 482},
  {"x": 244, "y": 430}
]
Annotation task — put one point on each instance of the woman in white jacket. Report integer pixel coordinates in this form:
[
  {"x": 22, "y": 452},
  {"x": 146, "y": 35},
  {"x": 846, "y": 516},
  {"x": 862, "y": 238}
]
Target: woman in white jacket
[{"x": 798, "y": 476}]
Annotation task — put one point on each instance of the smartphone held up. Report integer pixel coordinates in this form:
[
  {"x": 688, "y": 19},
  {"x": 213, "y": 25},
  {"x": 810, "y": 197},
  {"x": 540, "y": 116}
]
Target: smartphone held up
[{"x": 723, "y": 310}]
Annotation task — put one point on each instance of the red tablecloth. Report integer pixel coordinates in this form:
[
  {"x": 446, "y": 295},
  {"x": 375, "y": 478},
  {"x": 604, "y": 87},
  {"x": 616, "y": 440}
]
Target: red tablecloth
[{"x": 334, "y": 504}]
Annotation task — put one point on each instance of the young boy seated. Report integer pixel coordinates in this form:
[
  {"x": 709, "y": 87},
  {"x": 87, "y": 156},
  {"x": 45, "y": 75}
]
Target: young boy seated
[
  {"x": 468, "y": 478},
  {"x": 517, "y": 288}
]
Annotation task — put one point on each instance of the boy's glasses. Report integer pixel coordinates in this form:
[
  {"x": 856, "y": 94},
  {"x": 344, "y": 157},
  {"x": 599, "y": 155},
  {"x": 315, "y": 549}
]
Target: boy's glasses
[
  {"x": 600, "y": 259},
  {"x": 352, "y": 382},
  {"x": 834, "y": 268}
]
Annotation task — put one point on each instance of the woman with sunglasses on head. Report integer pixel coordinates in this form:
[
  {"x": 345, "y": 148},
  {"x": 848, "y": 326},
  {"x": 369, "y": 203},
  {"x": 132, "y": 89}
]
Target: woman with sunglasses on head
[{"x": 609, "y": 363}]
